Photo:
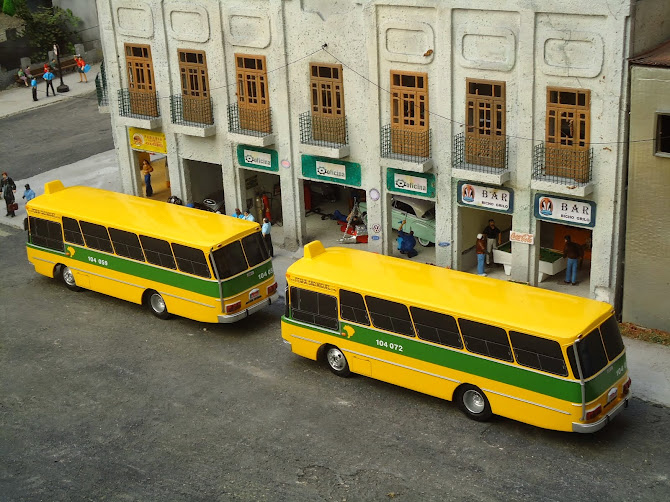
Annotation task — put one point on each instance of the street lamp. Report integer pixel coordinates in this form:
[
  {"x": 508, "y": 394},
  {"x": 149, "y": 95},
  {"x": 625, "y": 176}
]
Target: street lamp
[{"x": 62, "y": 87}]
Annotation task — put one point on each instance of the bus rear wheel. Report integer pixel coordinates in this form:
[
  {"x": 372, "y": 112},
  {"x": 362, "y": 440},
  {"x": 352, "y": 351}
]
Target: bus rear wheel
[
  {"x": 337, "y": 362},
  {"x": 68, "y": 278},
  {"x": 157, "y": 305},
  {"x": 473, "y": 402}
]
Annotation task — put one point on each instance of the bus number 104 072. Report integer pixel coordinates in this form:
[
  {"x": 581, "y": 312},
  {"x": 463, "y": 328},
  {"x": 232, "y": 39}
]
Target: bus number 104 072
[{"x": 392, "y": 346}]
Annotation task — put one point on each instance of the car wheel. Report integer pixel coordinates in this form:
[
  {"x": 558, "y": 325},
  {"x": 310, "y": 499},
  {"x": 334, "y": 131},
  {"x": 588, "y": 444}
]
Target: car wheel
[
  {"x": 424, "y": 242},
  {"x": 68, "y": 278},
  {"x": 473, "y": 402},
  {"x": 157, "y": 305},
  {"x": 337, "y": 362}
]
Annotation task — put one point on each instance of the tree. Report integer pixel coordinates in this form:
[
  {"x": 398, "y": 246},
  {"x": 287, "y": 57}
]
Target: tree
[
  {"x": 47, "y": 26},
  {"x": 8, "y": 7}
]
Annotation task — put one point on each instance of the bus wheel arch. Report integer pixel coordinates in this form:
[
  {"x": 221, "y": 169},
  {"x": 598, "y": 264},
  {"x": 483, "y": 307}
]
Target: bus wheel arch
[
  {"x": 336, "y": 360},
  {"x": 155, "y": 302},
  {"x": 66, "y": 275},
  {"x": 473, "y": 402}
]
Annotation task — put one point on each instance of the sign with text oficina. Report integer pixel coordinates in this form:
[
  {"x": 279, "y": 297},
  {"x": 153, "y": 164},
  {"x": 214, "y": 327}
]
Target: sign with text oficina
[{"x": 561, "y": 210}]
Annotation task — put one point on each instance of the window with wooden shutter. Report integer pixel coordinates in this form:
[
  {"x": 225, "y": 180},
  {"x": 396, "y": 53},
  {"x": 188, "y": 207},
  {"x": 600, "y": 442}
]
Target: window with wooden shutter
[
  {"x": 252, "y": 92},
  {"x": 327, "y": 95},
  {"x": 409, "y": 113},
  {"x": 485, "y": 141},
  {"x": 195, "y": 86},
  {"x": 141, "y": 85}
]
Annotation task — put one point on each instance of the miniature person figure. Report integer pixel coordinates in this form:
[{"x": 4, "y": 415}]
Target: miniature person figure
[
  {"x": 29, "y": 74},
  {"x": 8, "y": 187},
  {"x": 408, "y": 241},
  {"x": 493, "y": 239},
  {"x": 481, "y": 254},
  {"x": 22, "y": 76},
  {"x": 48, "y": 78},
  {"x": 248, "y": 216},
  {"x": 573, "y": 252},
  {"x": 33, "y": 85},
  {"x": 47, "y": 68},
  {"x": 146, "y": 171},
  {"x": 265, "y": 230},
  {"x": 238, "y": 213},
  {"x": 29, "y": 193},
  {"x": 80, "y": 68}
]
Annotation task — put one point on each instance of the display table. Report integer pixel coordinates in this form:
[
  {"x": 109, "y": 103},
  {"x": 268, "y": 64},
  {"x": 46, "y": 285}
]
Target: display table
[{"x": 551, "y": 261}]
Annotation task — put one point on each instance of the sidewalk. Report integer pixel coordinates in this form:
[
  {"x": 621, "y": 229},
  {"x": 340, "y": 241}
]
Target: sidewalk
[
  {"x": 648, "y": 363},
  {"x": 19, "y": 99}
]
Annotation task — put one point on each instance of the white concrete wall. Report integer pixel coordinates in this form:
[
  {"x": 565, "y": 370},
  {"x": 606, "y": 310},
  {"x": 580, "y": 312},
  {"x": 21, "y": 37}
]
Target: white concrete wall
[{"x": 529, "y": 45}]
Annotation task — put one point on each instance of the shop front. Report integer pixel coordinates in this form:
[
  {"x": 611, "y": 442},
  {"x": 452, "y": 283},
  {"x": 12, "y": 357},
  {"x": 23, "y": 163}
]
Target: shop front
[
  {"x": 150, "y": 146},
  {"x": 261, "y": 187}
]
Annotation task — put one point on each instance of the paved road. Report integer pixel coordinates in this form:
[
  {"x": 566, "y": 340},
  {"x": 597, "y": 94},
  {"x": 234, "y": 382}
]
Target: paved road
[
  {"x": 98, "y": 399},
  {"x": 39, "y": 140}
]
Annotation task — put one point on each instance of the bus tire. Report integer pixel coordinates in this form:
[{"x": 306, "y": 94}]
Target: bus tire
[
  {"x": 68, "y": 278},
  {"x": 473, "y": 402},
  {"x": 337, "y": 362},
  {"x": 157, "y": 305}
]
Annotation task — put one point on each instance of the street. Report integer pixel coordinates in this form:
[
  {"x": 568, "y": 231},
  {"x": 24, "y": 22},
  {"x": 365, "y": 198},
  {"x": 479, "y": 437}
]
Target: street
[{"x": 102, "y": 400}]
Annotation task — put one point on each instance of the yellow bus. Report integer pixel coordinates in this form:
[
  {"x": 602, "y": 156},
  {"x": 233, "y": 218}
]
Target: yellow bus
[
  {"x": 548, "y": 359},
  {"x": 172, "y": 259}
]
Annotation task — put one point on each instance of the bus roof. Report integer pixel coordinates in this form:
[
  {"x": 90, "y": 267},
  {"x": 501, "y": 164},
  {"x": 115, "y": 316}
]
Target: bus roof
[
  {"x": 515, "y": 306},
  {"x": 153, "y": 218}
]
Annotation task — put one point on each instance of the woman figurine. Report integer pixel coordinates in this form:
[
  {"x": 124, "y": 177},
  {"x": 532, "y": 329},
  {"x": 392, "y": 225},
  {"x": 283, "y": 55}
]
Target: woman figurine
[
  {"x": 80, "y": 68},
  {"x": 146, "y": 171}
]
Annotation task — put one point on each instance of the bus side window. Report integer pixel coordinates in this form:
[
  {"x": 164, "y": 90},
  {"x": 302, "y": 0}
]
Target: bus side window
[
  {"x": 352, "y": 307},
  {"x": 230, "y": 260},
  {"x": 191, "y": 260},
  {"x": 486, "y": 339},
  {"x": 611, "y": 338},
  {"x": 72, "y": 231},
  {"x": 158, "y": 252},
  {"x": 538, "y": 353},
  {"x": 592, "y": 356},
  {"x": 314, "y": 308},
  {"x": 96, "y": 236},
  {"x": 126, "y": 244},
  {"x": 46, "y": 234},
  {"x": 436, "y": 327},
  {"x": 391, "y": 316},
  {"x": 255, "y": 249}
]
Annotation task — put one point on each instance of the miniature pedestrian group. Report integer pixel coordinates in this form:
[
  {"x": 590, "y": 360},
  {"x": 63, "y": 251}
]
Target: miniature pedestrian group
[
  {"x": 146, "y": 171},
  {"x": 8, "y": 188}
]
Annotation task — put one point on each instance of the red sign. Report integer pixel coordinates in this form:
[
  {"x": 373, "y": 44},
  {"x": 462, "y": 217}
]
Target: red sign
[{"x": 519, "y": 237}]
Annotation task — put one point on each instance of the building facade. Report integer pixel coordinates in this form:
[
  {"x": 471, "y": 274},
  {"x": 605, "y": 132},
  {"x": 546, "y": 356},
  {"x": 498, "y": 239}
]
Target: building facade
[
  {"x": 647, "y": 263},
  {"x": 516, "y": 114}
]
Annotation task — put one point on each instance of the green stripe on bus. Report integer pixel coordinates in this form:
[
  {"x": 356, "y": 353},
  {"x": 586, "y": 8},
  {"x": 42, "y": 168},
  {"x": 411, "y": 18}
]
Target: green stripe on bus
[
  {"x": 606, "y": 379},
  {"x": 461, "y": 361},
  {"x": 206, "y": 287}
]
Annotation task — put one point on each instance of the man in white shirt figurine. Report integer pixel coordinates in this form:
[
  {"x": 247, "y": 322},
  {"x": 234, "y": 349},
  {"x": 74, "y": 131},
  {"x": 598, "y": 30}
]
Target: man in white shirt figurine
[
  {"x": 248, "y": 216},
  {"x": 265, "y": 230}
]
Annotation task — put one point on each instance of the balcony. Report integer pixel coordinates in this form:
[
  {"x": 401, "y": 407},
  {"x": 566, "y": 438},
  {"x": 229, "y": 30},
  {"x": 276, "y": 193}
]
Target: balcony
[
  {"x": 406, "y": 149},
  {"x": 101, "y": 93},
  {"x": 482, "y": 158},
  {"x": 324, "y": 136},
  {"x": 561, "y": 170},
  {"x": 252, "y": 126},
  {"x": 192, "y": 115},
  {"x": 139, "y": 109}
]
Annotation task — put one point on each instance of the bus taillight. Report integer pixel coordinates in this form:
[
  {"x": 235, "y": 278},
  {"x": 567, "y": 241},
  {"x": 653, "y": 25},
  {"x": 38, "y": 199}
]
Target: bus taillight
[
  {"x": 626, "y": 386},
  {"x": 233, "y": 307},
  {"x": 272, "y": 289},
  {"x": 591, "y": 414}
]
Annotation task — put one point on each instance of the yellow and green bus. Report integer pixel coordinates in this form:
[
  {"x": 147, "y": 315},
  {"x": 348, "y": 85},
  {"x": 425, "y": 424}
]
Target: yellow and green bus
[
  {"x": 548, "y": 359},
  {"x": 172, "y": 259}
]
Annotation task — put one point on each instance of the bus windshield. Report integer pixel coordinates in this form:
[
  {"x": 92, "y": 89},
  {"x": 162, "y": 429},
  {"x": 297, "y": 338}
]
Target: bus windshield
[
  {"x": 237, "y": 256},
  {"x": 598, "y": 348}
]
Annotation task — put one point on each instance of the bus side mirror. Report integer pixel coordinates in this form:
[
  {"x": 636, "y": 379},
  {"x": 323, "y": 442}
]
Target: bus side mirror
[{"x": 25, "y": 224}]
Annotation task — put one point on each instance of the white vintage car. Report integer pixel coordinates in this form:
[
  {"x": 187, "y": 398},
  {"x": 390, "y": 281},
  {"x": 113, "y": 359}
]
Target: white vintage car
[{"x": 419, "y": 213}]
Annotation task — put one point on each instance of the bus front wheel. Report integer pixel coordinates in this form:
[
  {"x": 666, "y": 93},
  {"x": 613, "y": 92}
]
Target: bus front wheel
[
  {"x": 68, "y": 278},
  {"x": 473, "y": 402},
  {"x": 337, "y": 362},
  {"x": 157, "y": 305}
]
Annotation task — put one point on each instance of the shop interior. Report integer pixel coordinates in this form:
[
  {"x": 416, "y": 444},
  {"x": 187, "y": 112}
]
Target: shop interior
[{"x": 160, "y": 179}]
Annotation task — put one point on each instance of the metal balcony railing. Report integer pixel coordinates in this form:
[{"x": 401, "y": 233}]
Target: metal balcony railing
[
  {"x": 407, "y": 145},
  {"x": 485, "y": 154},
  {"x": 138, "y": 104},
  {"x": 249, "y": 121},
  {"x": 561, "y": 165},
  {"x": 191, "y": 111},
  {"x": 323, "y": 131},
  {"x": 101, "y": 90}
]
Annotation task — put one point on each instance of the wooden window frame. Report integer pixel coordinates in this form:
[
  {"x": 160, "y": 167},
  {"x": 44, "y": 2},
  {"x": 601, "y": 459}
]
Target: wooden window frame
[
  {"x": 556, "y": 112},
  {"x": 485, "y": 124},
  {"x": 247, "y": 78},
  {"x": 186, "y": 70},
  {"x": 143, "y": 63},
  {"x": 400, "y": 97},
  {"x": 327, "y": 103}
]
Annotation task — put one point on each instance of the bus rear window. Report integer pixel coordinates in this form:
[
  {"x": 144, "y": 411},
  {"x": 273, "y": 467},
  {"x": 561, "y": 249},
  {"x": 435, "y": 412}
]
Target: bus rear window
[
  {"x": 612, "y": 338},
  {"x": 591, "y": 355},
  {"x": 229, "y": 260},
  {"x": 255, "y": 249}
]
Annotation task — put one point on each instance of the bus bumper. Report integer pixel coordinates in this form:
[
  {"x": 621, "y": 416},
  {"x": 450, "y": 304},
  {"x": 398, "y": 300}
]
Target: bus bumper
[
  {"x": 225, "y": 319},
  {"x": 596, "y": 426}
]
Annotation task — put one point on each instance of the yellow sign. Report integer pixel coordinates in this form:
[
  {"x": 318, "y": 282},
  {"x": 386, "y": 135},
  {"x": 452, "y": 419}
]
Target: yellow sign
[{"x": 146, "y": 140}]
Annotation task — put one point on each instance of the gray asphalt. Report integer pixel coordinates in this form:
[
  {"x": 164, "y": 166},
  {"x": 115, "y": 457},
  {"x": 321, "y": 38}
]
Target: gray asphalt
[{"x": 39, "y": 140}]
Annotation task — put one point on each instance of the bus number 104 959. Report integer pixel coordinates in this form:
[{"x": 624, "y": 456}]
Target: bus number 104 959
[{"x": 392, "y": 346}]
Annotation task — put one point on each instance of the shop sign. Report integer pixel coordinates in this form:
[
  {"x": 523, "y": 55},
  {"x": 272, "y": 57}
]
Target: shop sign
[
  {"x": 422, "y": 184},
  {"x": 326, "y": 169},
  {"x": 147, "y": 140},
  {"x": 521, "y": 237},
  {"x": 264, "y": 159},
  {"x": 486, "y": 197},
  {"x": 570, "y": 211}
]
